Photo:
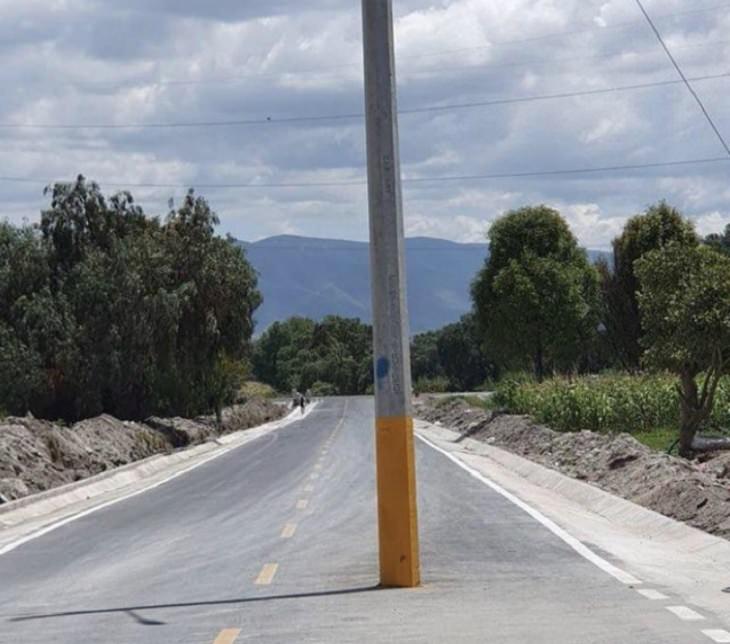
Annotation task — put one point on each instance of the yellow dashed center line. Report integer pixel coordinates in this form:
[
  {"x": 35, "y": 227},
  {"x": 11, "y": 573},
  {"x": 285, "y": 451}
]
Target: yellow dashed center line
[
  {"x": 266, "y": 576},
  {"x": 289, "y": 530},
  {"x": 302, "y": 504},
  {"x": 227, "y": 636}
]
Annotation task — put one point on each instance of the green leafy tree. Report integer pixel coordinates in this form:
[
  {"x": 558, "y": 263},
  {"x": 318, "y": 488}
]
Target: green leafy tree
[
  {"x": 114, "y": 312},
  {"x": 425, "y": 360},
  {"x": 282, "y": 352},
  {"x": 720, "y": 241},
  {"x": 462, "y": 355},
  {"x": 659, "y": 225},
  {"x": 685, "y": 310},
  {"x": 536, "y": 298},
  {"x": 299, "y": 353}
]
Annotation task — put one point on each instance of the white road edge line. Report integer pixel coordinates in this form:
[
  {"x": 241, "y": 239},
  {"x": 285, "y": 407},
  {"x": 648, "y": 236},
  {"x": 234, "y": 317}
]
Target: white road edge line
[
  {"x": 80, "y": 515},
  {"x": 717, "y": 635},
  {"x": 684, "y": 613},
  {"x": 575, "y": 544}
]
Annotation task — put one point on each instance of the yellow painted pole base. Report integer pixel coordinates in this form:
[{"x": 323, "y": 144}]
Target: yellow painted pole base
[{"x": 397, "y": 512}]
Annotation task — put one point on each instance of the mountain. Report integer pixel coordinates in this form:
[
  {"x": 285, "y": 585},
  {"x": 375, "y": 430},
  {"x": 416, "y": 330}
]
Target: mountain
[{"x": 315, "y": 277}]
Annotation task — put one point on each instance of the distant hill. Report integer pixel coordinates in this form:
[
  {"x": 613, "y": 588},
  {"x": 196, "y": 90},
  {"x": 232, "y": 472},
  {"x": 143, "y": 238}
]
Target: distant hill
[{"x": 315, "y": 277}]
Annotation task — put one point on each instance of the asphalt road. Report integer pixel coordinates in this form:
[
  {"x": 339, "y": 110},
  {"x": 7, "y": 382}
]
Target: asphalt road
[{"x": 276, "y": 542}]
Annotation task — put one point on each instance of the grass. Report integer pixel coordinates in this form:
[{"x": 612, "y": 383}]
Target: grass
[
  {"x": 659, "y": 439},
  {"x": 478, "y": 402}
]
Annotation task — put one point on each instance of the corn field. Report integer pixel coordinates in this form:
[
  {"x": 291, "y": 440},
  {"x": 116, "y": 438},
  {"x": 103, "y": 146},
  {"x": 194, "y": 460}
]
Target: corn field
[{"x": 605, "y": 403}]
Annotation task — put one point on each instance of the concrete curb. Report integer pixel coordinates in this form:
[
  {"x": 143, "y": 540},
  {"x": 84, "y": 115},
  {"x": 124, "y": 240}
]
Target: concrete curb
[
  {"x": 654, "y": 547},
  {"x": 28, "y": 515}
]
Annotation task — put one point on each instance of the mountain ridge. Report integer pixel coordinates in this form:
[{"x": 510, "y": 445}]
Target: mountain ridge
[{"x": 317, "y": 276}]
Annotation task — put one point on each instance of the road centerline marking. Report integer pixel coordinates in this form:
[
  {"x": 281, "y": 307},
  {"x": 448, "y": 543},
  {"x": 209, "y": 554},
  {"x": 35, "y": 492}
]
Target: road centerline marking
[
  {"x": 289, "y": 530},
  {"x": 227, "y": 636},
  {"x": 302, "y": 504},
  {"x": 266, "y": 576},
  {"x": 309, "y": 487},
  {"x": 314, "y": 476},
  {"x": 717, "y": 635},
  {"x": 684, "y": 613}
]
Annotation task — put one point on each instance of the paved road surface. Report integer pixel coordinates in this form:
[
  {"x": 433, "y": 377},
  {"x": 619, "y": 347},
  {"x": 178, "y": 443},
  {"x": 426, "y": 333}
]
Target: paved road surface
[{"x": 295, "y": 511}]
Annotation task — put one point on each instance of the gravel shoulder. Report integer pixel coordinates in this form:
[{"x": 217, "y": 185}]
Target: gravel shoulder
[
  {"x": 695, "y": 492},
  {"x": 37, "y": 455}
]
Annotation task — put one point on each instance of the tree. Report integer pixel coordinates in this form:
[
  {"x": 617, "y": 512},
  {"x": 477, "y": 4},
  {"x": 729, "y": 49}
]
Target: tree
[
  {"x": 535, "y": 300},
  {"x": 114, "y": 312},
  {"x": 659, "y": 225},
  {"x": 685, "y": 311},
  {"x": 425, "y": 360},
  {"x": 720, "y": 241},
  {"x": 335, "y": 354},
  {"x": 278, "y": 356},
  {"x": 462, "y": 356}
]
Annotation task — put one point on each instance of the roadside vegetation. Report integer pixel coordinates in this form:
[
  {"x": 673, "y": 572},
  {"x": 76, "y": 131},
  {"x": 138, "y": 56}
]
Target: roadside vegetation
[
  {"x": 104, "y": 309},
  {"x": 643, "y": 405},
  {"x": 640, "y": 344},
  {"x": 331, "y": 357},
  {"x": 334, "y": 357},
  {"x": 659, "y": 314}
]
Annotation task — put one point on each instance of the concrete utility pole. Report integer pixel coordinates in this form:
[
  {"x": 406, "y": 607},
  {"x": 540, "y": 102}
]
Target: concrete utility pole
[{"x": 396, "y": 475}]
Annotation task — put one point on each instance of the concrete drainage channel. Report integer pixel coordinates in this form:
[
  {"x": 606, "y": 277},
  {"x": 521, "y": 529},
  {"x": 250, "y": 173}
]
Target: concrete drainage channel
[{"x": 31, "y": 517}]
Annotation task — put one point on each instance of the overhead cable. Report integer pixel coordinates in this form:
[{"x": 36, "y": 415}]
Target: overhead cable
[
  {"x": 406, "y": 180},
  {"x": 352, "y": 115},
  {"x": 684, "y": 78}
]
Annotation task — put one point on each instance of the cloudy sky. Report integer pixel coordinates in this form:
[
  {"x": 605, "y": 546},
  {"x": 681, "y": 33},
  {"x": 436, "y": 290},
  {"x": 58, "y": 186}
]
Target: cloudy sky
[{"x": 266, "y": 62}]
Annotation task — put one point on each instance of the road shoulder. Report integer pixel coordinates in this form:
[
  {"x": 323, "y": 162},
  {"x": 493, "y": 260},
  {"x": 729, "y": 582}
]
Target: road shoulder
[
  {"x": 664, "y": 553},
  {"x": 33, "y": 516}
]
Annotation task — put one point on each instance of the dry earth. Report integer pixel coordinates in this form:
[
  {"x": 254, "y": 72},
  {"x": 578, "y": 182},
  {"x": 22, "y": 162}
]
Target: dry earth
[
  {"x": 696, "y": 492},
  {"x": 37, "y": 455}
]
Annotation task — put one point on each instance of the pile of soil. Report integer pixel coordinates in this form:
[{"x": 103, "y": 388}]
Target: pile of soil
[
  {"x": 696, "y": 492},
  {"x": 37, "y": 455}
]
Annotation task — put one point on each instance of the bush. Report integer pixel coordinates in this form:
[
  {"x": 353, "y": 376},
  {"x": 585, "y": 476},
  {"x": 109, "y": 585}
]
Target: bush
[
  {"x": 320, "y": 389},
  {"x": 436, "y": 385},
  {"x": 253, "y": 389}
]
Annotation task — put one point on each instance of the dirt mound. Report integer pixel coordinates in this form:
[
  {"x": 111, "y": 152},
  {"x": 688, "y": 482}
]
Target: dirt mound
[
  {"x": 696, "y": 492},
  {"x": 37, "y": 455}
]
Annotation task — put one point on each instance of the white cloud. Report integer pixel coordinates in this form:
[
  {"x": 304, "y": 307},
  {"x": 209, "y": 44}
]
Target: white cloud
[
  {"x": 459, "y": 228},
  {"x": 78, "y": 61}
]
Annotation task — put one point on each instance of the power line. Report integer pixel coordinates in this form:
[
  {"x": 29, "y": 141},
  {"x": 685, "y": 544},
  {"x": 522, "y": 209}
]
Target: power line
[
  {"x": 683, "y": 77},
  {"x": 413, "y": 180},
  {"x": 570, "y": 171},
  {"x": 353, "y": 115},
  {"x": 545, "y": 97}
]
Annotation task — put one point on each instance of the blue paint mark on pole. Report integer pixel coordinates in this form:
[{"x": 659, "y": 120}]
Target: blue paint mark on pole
[{"x": 382, "y": 368}]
